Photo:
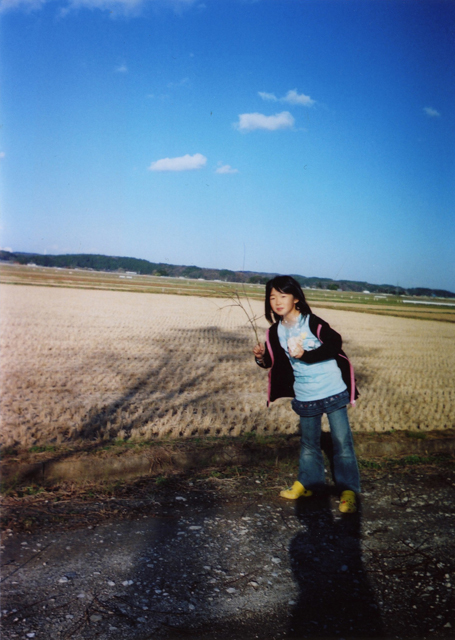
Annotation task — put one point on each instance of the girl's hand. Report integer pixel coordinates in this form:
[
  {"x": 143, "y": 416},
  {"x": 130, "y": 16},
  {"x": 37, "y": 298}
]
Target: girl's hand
[
  {"x": 259, "y": 351},
  {"x": 295, "y": 346},
  {"x": 297, "y": 351}
]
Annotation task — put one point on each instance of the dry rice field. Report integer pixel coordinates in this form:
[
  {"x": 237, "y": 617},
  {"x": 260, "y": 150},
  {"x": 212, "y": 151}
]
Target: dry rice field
[{"x": 86, "y": 365}]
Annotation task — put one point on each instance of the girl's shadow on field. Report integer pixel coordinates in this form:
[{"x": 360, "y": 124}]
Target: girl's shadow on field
[{"x": 336, "y": 600}]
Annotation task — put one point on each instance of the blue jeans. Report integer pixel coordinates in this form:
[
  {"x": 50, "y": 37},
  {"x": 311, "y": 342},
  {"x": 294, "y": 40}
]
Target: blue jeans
[{"x": 311, "y": 465}]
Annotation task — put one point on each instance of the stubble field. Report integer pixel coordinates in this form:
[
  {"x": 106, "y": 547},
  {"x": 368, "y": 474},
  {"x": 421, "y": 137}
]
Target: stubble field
[{"x": 86, "y": 365}]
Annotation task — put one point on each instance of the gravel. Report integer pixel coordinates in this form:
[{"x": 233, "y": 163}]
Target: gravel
[{"x": 228, "y": 559}]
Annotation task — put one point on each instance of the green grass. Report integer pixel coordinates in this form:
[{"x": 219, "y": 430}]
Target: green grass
[
  {"x": 42, "y": 449},
  {"x": 414, "y": 460},
  {"x": 370, "y": 464},
  {"x": 9, "y": 488},
  {"x": 416, "y": 435}
]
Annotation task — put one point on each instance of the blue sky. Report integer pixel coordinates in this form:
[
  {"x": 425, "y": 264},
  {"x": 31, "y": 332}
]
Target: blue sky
[{"x": 295, "y": 136}]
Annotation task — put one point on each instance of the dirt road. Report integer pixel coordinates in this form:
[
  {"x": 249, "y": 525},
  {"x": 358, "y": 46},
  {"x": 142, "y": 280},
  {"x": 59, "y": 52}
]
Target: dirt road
[{"x": 225, "y": 558}]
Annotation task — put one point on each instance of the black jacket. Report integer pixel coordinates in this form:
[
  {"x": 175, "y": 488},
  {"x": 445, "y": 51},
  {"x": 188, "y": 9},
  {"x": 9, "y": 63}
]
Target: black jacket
[{"x": 281, "y": 374}]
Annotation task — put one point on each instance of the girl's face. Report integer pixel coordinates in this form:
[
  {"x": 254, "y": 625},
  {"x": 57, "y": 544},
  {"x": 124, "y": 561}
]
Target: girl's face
[{"x": 283, "y": 304}]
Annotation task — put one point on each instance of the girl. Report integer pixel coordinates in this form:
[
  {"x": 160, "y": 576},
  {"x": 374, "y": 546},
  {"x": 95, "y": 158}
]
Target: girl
[{"x": 307, "y": 363}]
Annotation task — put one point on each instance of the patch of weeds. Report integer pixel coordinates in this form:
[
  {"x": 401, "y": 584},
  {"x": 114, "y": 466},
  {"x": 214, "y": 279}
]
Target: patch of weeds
[
  {"x": 287, "y": 464},
  {"x": 161, "y": 480},
  {"x": 112, "y": 488},
  {"x": 232, "y": 471},
  {"x": 417, "y": 435},
  {"x": 445, "y": 459},
  {"x": 143, "y": 443},
  {"x": 8, "y": 451},
  {"x": 32, "y": 490},
  {"x": 254, "y": 438},
  {"x": 42, "y": 448},
  {"x": 216, "y": 474},
  {"x": 7, "y": 487},
  {"x": 125, "y": 444},
  {"x": 370, "y": 464},
  {"x": 248, "y": 436},
  {"x": 440, "y": 459},
  {"x": 415, "y": 460}
]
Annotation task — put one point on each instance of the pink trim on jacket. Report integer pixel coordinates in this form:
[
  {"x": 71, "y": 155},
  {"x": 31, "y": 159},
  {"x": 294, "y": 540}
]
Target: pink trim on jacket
[
  {"x": 351, "y": 368},
  {"x": 269, "y": 384},
  {"x": 351, "y": 373}
]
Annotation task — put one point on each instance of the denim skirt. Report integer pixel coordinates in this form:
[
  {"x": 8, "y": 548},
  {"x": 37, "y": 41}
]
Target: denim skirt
[{"x": 310, "y": 408}]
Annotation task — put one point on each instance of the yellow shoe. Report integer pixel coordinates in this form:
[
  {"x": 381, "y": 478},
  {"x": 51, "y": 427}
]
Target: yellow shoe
[
  {"x": 297, "y": 491},
  {"x": 348, "y": 502}
]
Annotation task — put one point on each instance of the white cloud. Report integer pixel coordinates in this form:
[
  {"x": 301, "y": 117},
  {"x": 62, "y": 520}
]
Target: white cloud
[
  {"x": 268, "y": 96},
  {"x": 292, "y": 97},
  {"x": 252, "y": 121},
  {"x": 298, "y": 98},
  {"x": 226, "y": 168},
  {"x": 432, "y": 113},
  {"x": 6, "y": 249},
  {"x": 184, "y": 163},
  {"x": 2, "y": 154},
  {"x": 122, "y": 69}
]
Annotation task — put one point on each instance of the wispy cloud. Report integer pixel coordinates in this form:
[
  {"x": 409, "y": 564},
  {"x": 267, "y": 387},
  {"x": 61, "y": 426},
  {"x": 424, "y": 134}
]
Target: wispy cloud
[
  {"x": 226, "y": 168},
  {"x": 252, "y": 121},
  {"x": 183, "y": 163},
  {"x": 292, "y": 97},
  {"x": 268, "y": 96},
  {"x": 181, "y": 83},
  {"x": 122, "y": 68},
  {"x": 2, "y": 154},
  {"x": 25, "y": 5},
  {"x": 431, "y": 113},
  {"x": 116, "y": 7}
]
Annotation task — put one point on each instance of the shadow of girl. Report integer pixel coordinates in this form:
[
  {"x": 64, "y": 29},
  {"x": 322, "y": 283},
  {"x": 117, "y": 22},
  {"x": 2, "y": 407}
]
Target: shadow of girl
[{"x": 336, "y": 600}]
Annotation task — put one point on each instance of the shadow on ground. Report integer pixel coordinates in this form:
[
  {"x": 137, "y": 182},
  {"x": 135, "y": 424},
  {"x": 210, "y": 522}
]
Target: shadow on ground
[
  {"x": 224, "y": 558},
  {"x": 336, "y": 600}
]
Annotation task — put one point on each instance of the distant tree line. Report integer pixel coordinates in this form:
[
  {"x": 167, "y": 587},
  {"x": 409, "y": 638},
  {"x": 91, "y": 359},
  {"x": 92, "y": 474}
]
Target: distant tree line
[{"x": 97, "y": 262}]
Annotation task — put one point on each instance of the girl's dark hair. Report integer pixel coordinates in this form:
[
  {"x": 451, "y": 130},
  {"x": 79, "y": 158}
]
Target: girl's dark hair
[{"x": 284, "y": 284}]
